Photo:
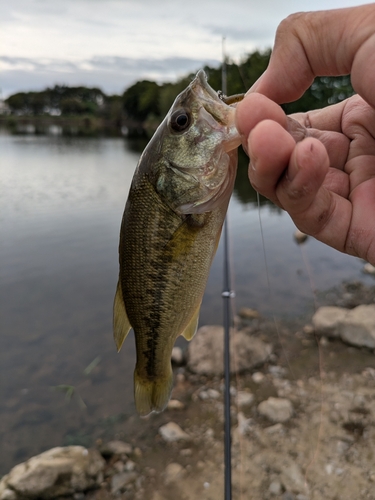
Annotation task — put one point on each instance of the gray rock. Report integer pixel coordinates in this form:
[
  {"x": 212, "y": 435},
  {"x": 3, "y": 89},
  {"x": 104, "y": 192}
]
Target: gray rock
[
  {"x": 206, "y": 351},
  {"x": 56, "y": 472},
  {"x": 358, "y": 327},
  {"x": 354, "y": 326},
  {"x": 172, "y": 432},
  {"x": 276, "y": 409},
  {"x": 327, "y": 320},
  {"x": 121, "y": 480}
]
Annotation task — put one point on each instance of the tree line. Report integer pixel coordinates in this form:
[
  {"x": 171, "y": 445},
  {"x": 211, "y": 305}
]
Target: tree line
[{"x": 143, "y": 105}]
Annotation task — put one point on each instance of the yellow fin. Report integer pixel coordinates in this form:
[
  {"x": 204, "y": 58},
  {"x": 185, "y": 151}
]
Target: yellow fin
[
  {"x": 192, "y": 327},
  {"x": 152, "y": 395},
  {"x": 121, "y": 325}
]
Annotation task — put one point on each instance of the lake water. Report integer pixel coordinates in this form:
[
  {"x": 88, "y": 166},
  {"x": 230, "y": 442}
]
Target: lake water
[{"x": 61, "y": 204}]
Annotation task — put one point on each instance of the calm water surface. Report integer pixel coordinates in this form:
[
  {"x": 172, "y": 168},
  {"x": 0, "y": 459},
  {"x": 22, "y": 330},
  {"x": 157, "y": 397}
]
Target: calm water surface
[{"x": 60, "y": 210}]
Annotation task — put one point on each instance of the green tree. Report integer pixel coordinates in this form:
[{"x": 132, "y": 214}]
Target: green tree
[
  {"x": 324, "y": 91},
  {"x": 17, "y": 102},
  {"x": 141, "y": 100}
]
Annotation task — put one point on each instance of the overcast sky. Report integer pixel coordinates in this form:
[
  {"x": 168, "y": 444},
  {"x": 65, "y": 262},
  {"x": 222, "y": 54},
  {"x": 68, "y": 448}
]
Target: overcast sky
[{"x": 113, "y": 43}]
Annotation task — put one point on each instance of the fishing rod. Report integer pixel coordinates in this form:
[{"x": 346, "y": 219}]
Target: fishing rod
[{"x": 227, "y": 294}]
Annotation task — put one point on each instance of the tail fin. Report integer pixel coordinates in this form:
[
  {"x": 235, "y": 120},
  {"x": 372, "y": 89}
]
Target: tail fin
[{"x": 152, "y": 395}]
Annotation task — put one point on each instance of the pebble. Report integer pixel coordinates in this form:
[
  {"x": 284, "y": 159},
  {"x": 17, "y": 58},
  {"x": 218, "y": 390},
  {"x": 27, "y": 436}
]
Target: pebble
[
  {"x": 8, "y": 494},
  {"x": 276, "y": 409},
  {"x": 324, "y": 341},
  {"x": 122, "y": 479},
  {"x": 274, "y": 429},
  {"x": 129, "y": 466},
  {"x": 119, "y": 466},
  {"x": 175, "y": 404},
  {"x": 244, "y": 398},
  {"x": 257, "y": 377},
  {"x": 308, "y": 329},
  {"x": 244, "y": 424},
  {"x": 172, "y": 432},
  {"x": 277, "y": 371},
  {"x": 186, "y": 452},
  {"x": 288, "y": 496},
  {"x": 177, "y": 356},
  {"x": 248, "y": 313},
  {"x": 369, "y": 269},
  {"x": 275, "y": 488},
  {"x": 209, "y": 394},
  {"x": 173, "y": 472}
]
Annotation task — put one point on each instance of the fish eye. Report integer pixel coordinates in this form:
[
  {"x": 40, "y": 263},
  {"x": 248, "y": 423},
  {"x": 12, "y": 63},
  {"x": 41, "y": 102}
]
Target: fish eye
[{"x": 180, "y": 120}]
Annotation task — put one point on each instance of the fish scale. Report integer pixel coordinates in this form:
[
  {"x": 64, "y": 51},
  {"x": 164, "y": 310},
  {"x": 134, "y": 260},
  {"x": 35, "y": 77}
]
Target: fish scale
[{"x": 169, "y": 234}]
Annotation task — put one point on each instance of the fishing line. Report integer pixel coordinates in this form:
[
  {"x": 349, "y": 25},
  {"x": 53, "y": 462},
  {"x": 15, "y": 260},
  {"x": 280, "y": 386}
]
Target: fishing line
[
  {"x": 320, "y": 360},
  {"x": 270, "y": 288},
  {"x": 312, "y": 286}
]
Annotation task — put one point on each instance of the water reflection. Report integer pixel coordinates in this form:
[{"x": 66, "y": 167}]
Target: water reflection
[{"x": 60, "y": 210}]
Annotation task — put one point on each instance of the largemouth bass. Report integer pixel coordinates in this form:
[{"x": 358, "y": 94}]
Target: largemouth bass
[{"x": 170, "y": 232}]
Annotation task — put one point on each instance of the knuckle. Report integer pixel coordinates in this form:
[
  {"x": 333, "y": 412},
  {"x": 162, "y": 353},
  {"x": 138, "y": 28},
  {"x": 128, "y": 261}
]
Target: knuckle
[{"x": 290, "y": 24}]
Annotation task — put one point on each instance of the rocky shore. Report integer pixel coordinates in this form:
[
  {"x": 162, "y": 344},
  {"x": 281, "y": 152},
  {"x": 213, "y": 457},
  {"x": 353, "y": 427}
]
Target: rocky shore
[{"x": 303, "y": 419}]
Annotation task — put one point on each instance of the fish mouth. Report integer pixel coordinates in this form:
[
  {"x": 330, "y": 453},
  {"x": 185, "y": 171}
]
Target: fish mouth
[{"x": 201, "y": 79}]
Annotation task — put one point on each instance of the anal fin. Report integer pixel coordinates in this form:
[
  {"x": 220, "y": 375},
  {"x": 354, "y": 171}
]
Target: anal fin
[
  {"x": 192, "y": 327},
  {"x": 121, "y": 324}
]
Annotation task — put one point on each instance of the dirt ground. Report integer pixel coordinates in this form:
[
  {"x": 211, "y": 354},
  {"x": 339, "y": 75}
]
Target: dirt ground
[{"x": 325, "y": 451}]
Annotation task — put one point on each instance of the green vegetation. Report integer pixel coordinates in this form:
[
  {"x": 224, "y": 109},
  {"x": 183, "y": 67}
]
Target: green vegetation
[{"x": 143, "y": 105}]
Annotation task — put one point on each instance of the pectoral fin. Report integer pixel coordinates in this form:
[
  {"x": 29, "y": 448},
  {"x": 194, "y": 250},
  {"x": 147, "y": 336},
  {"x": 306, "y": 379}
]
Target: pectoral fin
[
  {"x": 192, "y": 327},
  {"x": 121, "y": 324}
]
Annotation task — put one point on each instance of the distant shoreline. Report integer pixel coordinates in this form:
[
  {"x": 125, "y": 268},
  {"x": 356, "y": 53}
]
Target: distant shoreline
[{"x": 83, "y": 125}]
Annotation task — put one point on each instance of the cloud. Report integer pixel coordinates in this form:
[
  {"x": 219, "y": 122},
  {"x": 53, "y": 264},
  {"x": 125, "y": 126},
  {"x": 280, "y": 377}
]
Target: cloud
[{"x": 112, "y": 73}]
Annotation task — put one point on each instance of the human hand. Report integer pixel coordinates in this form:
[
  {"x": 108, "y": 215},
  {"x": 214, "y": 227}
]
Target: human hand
[{"x": 319, "y": 166}]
